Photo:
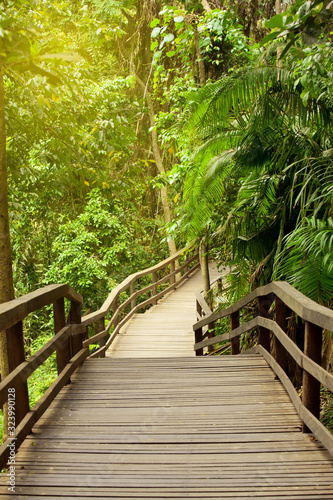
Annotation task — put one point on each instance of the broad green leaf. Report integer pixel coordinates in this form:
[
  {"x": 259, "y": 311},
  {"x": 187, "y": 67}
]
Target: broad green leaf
[
  {"x": 275, "y": 22},
  {"x": 171, "y": 53},
  {"x": 271, "y": 36},
  {"x": 155, "y": 32},
  {"x": 168, "y": 38},
  {"x": 154, "y": 23}
]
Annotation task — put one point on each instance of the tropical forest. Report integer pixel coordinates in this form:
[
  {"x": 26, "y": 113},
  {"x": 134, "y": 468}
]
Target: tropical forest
[{"x": 131, "y": 129}]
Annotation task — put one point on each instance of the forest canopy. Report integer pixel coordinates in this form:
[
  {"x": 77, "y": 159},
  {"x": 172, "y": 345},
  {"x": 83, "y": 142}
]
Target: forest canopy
[{"x": 213, "y": 118}]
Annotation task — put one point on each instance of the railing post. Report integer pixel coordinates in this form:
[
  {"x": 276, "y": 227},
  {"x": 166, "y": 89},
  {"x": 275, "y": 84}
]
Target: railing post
[
  {"x": 211, "y": 334},
  {"x": 234, "y": 322},
  {"x": 198, "y": 333},
  {"x": 16, "y": 356},
  {"x": 186, "y": 263},
  {"x": 114, "y": 308},
  {"x": 264, "y": 333},
  {"x": 154, "y": 290},
  {"x": 199, "y": 310},
  {"x": 281, "y": 319},
  {"x": 311, "y": 386},
  {"x": 101, "y": 328},
  {"x": 198, "y": 338},
  {"x": 132, "y": 291},
  {"x": 172, "y": 270},
  {"x": 63, "y": 353},
  {"x": 75, "y": 317}
]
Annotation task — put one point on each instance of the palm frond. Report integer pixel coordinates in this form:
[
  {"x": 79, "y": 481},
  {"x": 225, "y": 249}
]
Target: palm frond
[{"x": 306, "y": 261}]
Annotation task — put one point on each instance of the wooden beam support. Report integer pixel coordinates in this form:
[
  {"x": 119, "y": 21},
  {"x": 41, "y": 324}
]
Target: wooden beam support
[
  {"x": 114, "y": 308},
  {"x": 132, "y": 292},
  {"x": 154, "y": 289},
  {"x": 16, "y": 356},
  {"x": 172, "y": 270},
  {"x": 234, "y": 321},
  {"x": 75, "y": 317},
  {"x": 198, "y": 338},
  {"x": 281, "y": 312},
  {"x": 211, "y": 334},
  {"x": 63, "y": 353},
  {"x": 311, "y": 386},
  {"x": 264, "y": 333},
  {"x": 102, "y": 341}
]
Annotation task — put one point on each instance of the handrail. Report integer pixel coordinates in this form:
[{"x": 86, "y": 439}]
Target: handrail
[
  {"x": 304, "y": 307},
  {"x": 316, "y": 318},
  {"x": 124, "y": 285},
  {"x": 111, "y": 303},
  {"x": 70, "y": 341},
  {"x": 16, "y": 310},
  {"x": 69, "y": 349}
]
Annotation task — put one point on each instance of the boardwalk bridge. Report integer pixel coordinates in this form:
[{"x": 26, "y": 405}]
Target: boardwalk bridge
[{"x": 135, "y": 414}]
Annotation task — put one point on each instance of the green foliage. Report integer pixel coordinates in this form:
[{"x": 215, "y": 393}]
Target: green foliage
[
  {"x": 306, "y": 260},
  {"x": 308, "y": 20},
  {"x": 326, "y": 414},
  {"x": 267, "y": 132},
  {"x": 90, "y": 250},
  {"x": 313, "y": 71},
  {"x": 223, "y": 42}
]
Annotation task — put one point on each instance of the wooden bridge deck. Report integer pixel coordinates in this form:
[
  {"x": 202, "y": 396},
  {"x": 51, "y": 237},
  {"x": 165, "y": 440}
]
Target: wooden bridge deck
[
  {"x": 172, "y": 428},
  {"x": 166, "y": 329}
]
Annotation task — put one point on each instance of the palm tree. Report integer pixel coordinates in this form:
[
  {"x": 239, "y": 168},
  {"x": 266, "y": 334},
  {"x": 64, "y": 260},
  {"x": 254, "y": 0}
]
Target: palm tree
[{"x": 258, "y": 129}]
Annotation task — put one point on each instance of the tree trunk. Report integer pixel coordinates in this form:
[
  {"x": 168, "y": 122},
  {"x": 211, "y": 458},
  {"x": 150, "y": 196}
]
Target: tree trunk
[
  {"x": 278, "y": 10},
  {"x": 204, "y": 258},
  {"x": 201, "y": 64},
  {"x": 6, "y": 274},
  {"x": 158, "y": 160},
  {"x": 278, "y": 7},
  {"x": 206, "y": 6}
]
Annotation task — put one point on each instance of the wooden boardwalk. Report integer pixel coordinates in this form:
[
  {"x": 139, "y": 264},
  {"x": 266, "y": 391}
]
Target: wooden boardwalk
[
  {"x": 166, "y": 329},
  {"x": 171, "y": 428}
]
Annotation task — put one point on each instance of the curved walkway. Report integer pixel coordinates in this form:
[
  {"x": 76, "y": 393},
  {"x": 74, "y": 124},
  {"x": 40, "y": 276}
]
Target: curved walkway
[
  {"x": 171, "y": 427},
  {"x": 167, "y": 328}
]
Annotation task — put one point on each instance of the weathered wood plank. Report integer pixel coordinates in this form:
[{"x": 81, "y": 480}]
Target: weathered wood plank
[
  {"x": 169, "y": 325},
  {"x": 16, "y": 310},
  {"x": 172, "y": 428}
]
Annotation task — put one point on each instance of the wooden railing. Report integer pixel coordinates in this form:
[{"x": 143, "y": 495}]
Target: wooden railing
[
  {"x": 316, "y": 318},
  {"x": 71, "y": 342},
  {"x": 174, "y": 276}
]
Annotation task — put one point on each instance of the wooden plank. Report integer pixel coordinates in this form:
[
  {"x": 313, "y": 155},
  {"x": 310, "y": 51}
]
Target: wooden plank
[
  {"x": 168, "y": 428},
  {"x": 171, "y": 427},
  {"x": 16, "y": 310},
  {"x": 170, "y": 330},
  {"x": 304, "y": 307},
  {"x": 310, "y": 420},
  {"x": 103, "y": 311},
  {"x": 25, "y": 369},
  {"x": 27, "y": 423}
]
